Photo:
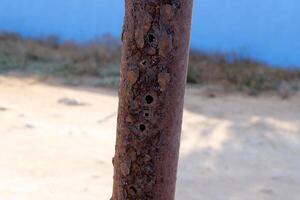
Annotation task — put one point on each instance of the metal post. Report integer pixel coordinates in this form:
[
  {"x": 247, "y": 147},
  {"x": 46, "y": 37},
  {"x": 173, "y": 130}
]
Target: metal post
[{"x": 153, "y": 76}]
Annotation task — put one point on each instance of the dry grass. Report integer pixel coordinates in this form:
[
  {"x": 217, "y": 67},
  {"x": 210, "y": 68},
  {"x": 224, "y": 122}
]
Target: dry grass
[
  {"x": 240, "y": 73},
  {"x": 100, "y": 58},
  {"x": 49, "y": 56}
]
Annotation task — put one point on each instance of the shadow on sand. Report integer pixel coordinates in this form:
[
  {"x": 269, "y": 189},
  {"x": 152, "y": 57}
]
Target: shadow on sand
[
  {"x": 233, "y": 147},
  {"x": 236, "y": 147}
]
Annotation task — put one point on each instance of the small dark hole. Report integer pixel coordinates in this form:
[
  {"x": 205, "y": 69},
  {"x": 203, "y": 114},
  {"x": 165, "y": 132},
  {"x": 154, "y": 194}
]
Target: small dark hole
[
  {"x": 142, "y": 127},
  {"x": 151, "y": 38},
  {"x": 133, "y": 189},
  {"x": 146, "y": 114},
  {"x": 149, "y": 99},
  {"x": 143, "y": 63}
]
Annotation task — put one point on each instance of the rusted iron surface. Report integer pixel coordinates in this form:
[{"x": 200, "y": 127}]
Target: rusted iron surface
[{"x": 153, "y": 76}]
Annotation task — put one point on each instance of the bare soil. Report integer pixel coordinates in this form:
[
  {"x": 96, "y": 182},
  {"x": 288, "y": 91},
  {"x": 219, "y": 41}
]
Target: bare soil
[{"x": 57, "y": 143}]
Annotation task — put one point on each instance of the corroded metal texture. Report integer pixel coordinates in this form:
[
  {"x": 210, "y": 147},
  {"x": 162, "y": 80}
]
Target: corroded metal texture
[{"x": 153, "y": 76}]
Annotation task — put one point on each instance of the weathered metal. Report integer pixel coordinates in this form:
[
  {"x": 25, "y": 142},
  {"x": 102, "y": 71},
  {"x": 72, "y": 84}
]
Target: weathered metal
[{"x": 153, "y": 76}]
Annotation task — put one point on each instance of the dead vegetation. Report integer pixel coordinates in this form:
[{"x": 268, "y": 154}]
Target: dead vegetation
[
  {"x": 99, "y": 59},
  {"x": 241, "y": 74}
]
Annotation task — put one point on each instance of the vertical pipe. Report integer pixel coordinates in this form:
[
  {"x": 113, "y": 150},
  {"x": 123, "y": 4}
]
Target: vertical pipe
[{"x": 153, "y": 76}]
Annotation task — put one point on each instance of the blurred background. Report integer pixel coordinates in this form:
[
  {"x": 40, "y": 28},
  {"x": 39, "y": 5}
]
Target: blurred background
[{"x": 59, "y": 60}]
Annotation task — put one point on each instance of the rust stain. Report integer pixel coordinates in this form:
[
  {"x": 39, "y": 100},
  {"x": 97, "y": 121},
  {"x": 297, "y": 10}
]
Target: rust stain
[
  {"x": 132, "y": 77},
  {"x": 165, "y": 44},
  {"x": 163, "y": 80},
  {"x": 167, "y": 11}
]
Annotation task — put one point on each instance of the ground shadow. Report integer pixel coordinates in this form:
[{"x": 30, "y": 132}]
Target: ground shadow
[{"x": 235, "y": 148}]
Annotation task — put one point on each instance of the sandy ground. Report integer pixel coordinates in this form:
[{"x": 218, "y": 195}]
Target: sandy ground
[{"x": 233, "y": 147}]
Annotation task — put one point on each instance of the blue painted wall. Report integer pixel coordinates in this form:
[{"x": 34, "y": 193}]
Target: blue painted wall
[{"x": 267, "y": 30}]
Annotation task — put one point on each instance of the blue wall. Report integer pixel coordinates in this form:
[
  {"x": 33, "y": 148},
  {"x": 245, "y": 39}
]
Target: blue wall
[{"x": 267, "y": 30}]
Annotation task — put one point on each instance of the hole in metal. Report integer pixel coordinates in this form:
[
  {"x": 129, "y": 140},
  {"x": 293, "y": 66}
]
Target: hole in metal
[
  {"x": 149, "y": 99},
  {"x": 142, "y": 127},
  {"x": 151, "y": 38},
  {"x": 133, "y": 189},
  {"x": 144, "y": 62}
]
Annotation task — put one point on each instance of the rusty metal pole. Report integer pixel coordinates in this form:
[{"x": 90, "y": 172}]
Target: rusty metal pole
[{"x": 153, "y": 76}]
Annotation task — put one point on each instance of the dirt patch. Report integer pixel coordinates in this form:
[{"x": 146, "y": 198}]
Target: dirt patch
[{"x": 233, "y": 147}]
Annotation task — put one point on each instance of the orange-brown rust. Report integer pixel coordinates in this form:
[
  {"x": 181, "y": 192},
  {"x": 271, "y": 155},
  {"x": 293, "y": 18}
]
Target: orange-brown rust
[
  {"x": 153, "y": 75},
  {"x": 132, "y": 77},
  {"x": 165, "y": 44},
  {"x": 163, "y": 80}
]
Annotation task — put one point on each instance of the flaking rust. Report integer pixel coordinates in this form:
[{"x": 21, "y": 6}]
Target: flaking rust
[
  {"x": 163, "y": 81},
  {"x": 153, "y": 75}
]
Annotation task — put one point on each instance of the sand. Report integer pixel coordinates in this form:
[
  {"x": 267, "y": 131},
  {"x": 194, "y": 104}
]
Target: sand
[{"x": 57, "y": 143}]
